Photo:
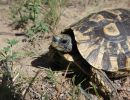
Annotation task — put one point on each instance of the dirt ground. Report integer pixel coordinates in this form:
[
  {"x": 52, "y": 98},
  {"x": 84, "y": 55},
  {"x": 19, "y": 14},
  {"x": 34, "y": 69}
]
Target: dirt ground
[{"x": 28, "y": 67}]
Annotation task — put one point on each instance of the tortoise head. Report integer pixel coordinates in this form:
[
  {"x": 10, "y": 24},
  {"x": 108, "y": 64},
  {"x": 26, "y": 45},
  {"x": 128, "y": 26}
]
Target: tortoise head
[{"x": 62, "y": 42}]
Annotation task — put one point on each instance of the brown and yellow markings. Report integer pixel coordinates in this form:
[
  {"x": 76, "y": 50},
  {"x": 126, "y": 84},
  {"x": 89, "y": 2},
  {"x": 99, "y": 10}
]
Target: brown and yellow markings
[
  {"x": 120, "y": 49},
  {"x": 111, "y": 30},
  {"x": 86, "y": 50},
  {"x": 98, "y": 62},
  {"x": 128, "y": 58},
  {"x": 108, "y": 44},
  {"x": 99, "y": 58},
  {"x": 97, "y": 18},
  {"x": 128, "y": 63},
  {"x": 102, "y": 42},
  {"x": 117, "y": 13},
  {"x": 89, "y": 30},
  {"x": 114, "y": 63},
  {"x": 128, "y": 42},
  {"x": 80, "y": 37}
]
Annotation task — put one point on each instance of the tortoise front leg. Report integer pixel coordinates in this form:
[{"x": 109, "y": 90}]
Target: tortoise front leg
[{"x": 105, "y": 84}]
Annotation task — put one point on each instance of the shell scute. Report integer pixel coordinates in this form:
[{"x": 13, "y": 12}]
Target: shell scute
[{"x": 103, "y": 39}]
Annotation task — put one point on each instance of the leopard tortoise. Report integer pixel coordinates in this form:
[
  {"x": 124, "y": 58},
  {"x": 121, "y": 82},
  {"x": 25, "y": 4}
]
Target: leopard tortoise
[{"x": 101, "y": 39}]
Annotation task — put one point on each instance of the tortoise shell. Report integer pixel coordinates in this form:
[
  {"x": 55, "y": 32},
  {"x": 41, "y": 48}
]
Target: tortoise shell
[{"x": 103, "y": 39}]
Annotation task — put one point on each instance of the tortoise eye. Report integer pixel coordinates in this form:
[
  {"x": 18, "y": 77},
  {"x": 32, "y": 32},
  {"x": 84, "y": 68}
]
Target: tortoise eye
[{"x": 64, "y": 41}]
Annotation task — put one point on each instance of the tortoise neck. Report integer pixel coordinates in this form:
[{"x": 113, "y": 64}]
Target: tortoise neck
[
  {"x": 81, "y": 62},
  {"x": 78, "y": 59}
]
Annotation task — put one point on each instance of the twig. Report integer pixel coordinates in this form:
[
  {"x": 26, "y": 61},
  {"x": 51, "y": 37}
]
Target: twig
[{"x": 30, "y": 84}]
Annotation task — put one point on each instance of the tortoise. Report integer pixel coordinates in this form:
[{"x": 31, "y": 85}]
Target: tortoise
[{"x": 101, "y": 39}]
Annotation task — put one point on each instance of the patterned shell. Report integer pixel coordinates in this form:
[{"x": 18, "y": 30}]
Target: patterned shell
[{"x": 103, "y": 39}]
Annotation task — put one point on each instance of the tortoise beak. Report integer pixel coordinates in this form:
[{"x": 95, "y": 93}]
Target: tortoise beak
[
  {"x": 55, "y": 41},
  {"x": 55, "y": 38}
]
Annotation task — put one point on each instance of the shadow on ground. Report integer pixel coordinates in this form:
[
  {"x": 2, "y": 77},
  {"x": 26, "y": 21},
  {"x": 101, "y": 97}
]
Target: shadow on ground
[
  {"x": 53, "y": 60},
  {"x": 57, "y": 62}
]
